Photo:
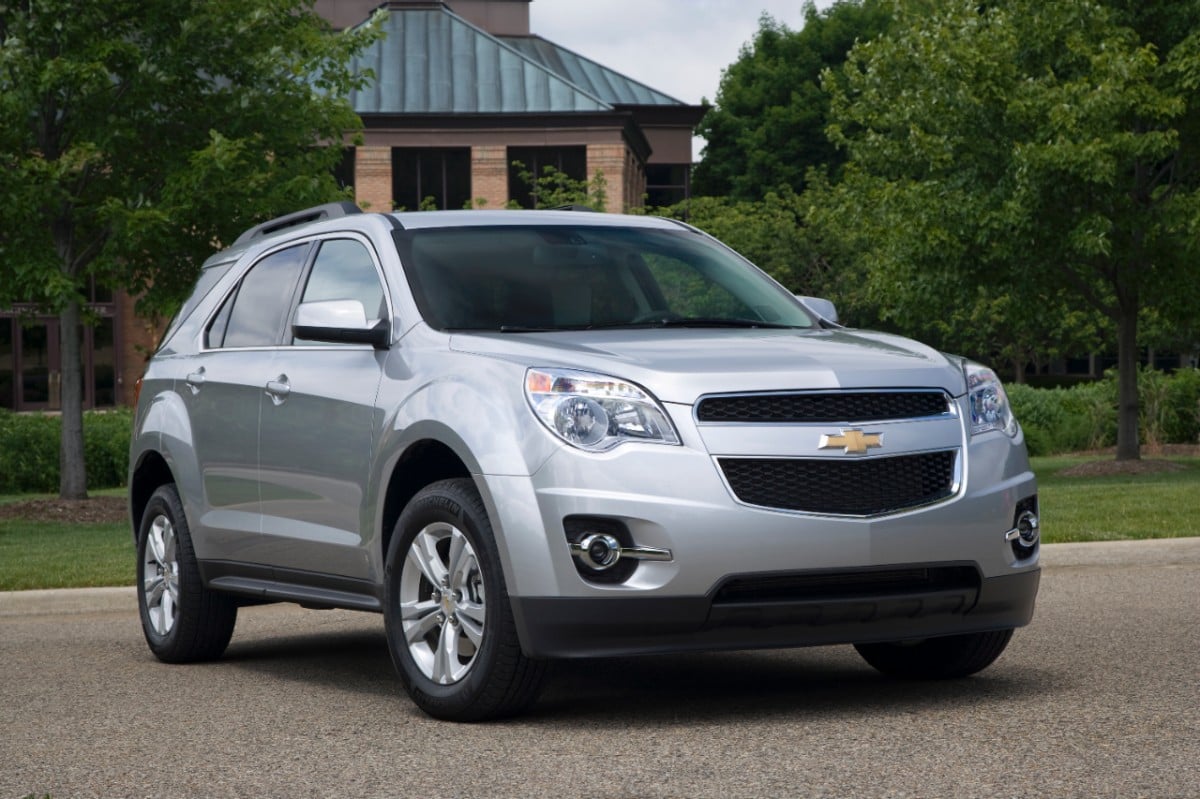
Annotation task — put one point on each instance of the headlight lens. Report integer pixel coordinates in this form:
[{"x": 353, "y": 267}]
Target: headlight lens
[
  {"x": 596, "y": 412},
  {"x": 989, "y": 404}
]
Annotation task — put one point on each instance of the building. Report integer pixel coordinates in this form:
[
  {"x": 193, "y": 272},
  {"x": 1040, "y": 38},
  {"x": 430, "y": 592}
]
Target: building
[{"x": 463, "y": 90}]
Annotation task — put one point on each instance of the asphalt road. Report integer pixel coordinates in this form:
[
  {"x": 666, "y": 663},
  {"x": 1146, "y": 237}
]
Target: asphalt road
[{"x": 1099, "y": 697}]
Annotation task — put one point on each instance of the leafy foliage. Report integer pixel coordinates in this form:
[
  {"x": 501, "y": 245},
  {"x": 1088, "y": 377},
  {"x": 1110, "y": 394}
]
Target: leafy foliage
[
  {"x": 29, "y": 445},
  {"x": 1033, "y": 154},
  {"x": 137, "y": 134},
  {"x": 555, "y": 188},
  {"x": 768, "y": 126}
]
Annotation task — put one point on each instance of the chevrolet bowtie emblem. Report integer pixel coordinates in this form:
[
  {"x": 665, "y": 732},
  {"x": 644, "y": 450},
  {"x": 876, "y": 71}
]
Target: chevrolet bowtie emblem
[{"x": 853, "y": 442}]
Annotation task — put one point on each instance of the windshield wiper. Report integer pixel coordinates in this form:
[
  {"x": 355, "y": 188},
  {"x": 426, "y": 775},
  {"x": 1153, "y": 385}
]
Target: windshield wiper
[{"x": 717, "y": 322}]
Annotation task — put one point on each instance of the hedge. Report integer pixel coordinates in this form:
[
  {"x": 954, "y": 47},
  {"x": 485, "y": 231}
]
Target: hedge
[
  {"x": 29, "y": 444},
  {"x": 1084, "y": 416}
]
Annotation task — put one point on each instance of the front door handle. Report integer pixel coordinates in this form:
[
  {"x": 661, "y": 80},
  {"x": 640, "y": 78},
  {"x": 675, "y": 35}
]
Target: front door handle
[{"x": 278, "y": 389}]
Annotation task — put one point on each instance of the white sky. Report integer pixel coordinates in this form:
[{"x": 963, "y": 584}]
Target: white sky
[{"x": 676, "y": 46}]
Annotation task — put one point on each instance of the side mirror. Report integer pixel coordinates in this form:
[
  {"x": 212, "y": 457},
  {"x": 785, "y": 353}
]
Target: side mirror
[
  {"x": 339, "y": 322},
  {"x": 821, "y": 307}
]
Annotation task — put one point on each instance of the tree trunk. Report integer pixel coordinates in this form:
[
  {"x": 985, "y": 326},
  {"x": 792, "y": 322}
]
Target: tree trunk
[
  {"x": 1128, "y": 447},
  {"x": 72, "y": 481}
]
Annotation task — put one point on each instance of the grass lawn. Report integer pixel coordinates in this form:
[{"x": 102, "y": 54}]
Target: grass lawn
[
  {"x": 1117, "y": 507},
  {"x": 42, "y": 554},
  {"x": 58, "y": 555}
]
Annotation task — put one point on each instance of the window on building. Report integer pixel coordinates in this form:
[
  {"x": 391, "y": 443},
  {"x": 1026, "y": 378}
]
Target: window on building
[
  {"x": 103, "y": 362},
  {"x": 429, "y": 178},
  {"x": 667, "y": 184},
  {"x": 8, "y": 397},
  {"x": 343, "y": 173},
  {"x": 527, "y": 164}
]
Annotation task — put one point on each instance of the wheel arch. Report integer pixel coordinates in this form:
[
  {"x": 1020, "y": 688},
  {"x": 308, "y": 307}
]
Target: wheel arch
[
  {"x": 422, "y": 462},
  {"x": 151, "y": 472}
]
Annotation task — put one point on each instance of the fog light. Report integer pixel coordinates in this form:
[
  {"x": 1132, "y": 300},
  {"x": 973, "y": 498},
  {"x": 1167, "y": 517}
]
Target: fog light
[
  {"x": 1025, "y": 535},
  {"x": 600, "y": 551}
]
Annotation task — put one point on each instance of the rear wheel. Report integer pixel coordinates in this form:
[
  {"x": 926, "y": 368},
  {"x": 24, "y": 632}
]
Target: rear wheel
[
  {"x": 449, "y": 623},
  {"x": 937, "y": 658},
  {"x": 182, "y": 620}
]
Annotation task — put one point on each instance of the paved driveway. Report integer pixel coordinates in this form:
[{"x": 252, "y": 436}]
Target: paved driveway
[{"x": 1099, "y": 697}]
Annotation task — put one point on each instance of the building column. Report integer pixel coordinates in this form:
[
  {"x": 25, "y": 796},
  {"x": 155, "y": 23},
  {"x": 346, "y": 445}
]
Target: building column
[
  {"x": 489, "y": 176},
  {"x": 373, "y": 178},
  {"x": 612, "y": 161}
]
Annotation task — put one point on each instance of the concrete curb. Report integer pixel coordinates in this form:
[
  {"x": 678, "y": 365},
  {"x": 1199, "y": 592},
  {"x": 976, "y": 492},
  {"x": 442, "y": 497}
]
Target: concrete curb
[{"x": 1158, "y": 551}]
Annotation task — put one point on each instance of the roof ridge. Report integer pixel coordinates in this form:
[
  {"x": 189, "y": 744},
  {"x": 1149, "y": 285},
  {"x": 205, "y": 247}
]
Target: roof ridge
[
  {"x": 604, "y": 67},
  {"x": 541, "y": 67}
]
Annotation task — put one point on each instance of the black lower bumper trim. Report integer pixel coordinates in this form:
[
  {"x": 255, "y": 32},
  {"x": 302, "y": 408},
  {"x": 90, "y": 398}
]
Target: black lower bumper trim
[{"x": 590, "y": 627}]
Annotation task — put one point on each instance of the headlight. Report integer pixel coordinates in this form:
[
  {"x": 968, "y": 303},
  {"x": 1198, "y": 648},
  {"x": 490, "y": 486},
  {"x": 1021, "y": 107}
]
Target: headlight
[
  {"x": 596, "y": 412},
  {"x": 989, "y": 404}
]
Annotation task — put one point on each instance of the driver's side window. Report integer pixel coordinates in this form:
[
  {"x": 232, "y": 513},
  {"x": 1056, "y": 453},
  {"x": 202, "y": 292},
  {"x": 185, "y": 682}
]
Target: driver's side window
[{"x": 345, "y": 270}]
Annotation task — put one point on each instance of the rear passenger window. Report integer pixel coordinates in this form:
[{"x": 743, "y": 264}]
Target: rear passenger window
[{"x": 255, "y": 313}]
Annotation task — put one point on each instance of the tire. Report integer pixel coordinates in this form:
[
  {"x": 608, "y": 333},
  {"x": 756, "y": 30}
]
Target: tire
[
  {"x": 945, "y": 658},
  {"x": 182, "y": 620},
  {"x": 449, "y": 622}
]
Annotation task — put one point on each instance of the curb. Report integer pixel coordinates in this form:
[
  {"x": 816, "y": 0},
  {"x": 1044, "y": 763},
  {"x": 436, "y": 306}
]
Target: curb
[{"x": 1157, "y": 551}]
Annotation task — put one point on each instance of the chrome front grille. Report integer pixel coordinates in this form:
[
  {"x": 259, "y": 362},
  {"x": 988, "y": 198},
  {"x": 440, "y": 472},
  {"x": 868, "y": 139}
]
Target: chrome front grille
[
  {"x": 822, "y": 407},
  {"x": 860, "y": 487}
]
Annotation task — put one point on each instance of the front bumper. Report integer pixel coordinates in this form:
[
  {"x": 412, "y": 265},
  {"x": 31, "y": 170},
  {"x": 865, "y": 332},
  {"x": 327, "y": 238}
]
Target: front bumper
[{"x": 611, "y": 625}]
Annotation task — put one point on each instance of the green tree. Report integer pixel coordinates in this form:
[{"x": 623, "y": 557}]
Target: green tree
[
  {"x": 1040, "y": 149},
  {"x": 768, "y": 125},
  {"x": 137, "y": 134},
  {"x": 555, "y": 188}
]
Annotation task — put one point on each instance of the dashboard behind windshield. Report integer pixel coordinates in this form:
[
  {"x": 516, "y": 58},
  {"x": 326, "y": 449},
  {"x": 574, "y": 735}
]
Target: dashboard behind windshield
[{"x": 556, "y": 277}]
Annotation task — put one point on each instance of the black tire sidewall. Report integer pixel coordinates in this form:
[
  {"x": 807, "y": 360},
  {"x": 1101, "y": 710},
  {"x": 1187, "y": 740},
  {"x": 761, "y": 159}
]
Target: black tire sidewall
[
  {"x": 205, "y": 620},
  {"x": 450, "y": 502}
]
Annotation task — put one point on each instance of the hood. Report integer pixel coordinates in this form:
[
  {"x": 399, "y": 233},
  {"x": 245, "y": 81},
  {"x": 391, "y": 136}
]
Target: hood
[{"x": 681, "y": 364}]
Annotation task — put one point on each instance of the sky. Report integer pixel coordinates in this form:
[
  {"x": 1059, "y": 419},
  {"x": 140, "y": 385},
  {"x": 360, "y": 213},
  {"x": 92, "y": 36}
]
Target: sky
[{"x": 676, "y": 46}]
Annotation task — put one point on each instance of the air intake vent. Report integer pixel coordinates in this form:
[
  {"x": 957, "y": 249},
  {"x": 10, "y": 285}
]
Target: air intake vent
[
  {"x": 864, "y": 487},
  {"x": 847, "y": 406}
]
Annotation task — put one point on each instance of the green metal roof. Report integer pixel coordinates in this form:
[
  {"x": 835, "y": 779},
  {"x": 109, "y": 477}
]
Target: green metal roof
[
  {"x": 597, "y": 79},
  {"x": 432, "y": 61}
]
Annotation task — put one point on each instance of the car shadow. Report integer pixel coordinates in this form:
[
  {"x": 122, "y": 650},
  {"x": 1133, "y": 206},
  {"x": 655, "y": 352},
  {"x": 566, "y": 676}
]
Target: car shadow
[
  {"x": 807, "y": 682},
  {"x": 707, "y": 686}
]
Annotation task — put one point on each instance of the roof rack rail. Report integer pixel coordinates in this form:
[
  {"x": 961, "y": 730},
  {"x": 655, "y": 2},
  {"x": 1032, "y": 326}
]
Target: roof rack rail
[
  {"x": 314, "y": 214},
  {"x": 576, "y": 207}
]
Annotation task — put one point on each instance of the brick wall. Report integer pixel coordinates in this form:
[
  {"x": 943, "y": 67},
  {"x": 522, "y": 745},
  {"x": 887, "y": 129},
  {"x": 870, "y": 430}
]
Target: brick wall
[
  {"x": 373, "y": 178},
  {"x": 136, "y": 339},
  {"x": 489, "y": 175},
  {"x": 624, "y": 173}
]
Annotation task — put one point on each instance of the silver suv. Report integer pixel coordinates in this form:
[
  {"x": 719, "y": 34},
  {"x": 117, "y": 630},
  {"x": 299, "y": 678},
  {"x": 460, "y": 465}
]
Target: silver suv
[{"x": 531, "y": 435}]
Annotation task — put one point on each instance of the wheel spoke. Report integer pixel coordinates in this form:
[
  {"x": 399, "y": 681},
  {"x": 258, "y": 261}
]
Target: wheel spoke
[
  {"x": 424, "y": 555},
  {"x": 445, "y": 661},
  {"x": 158, "y": 547},
  {"x": 458, "y": 545},
  {"x": 472, "y": 624},
  {"x": 419, "y": 619},
  {"x": 154, "y": 587}
]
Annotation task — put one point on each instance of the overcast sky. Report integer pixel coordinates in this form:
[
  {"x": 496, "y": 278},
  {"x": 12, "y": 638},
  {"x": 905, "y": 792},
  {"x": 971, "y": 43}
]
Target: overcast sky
[{"x": 676, "y": 46}]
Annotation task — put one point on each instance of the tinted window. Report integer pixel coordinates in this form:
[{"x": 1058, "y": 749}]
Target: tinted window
[
  {"x": 519, "y": 279},
  {"x": 344, "y": 270},
  {"x": 262, "y": 302}
]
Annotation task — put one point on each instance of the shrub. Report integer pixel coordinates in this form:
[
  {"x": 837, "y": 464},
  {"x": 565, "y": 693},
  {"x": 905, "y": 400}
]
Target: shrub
[
  {"x": 1084, "y": 416},
  {"x": 29, "y": 444}
]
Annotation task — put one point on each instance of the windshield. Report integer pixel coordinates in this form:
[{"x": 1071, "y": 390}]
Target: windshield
[{"x": 534, "y": 278}]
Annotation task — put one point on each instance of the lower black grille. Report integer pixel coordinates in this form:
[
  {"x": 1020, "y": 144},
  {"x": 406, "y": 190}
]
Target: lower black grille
[
  {"x": 865, "y": 487},
  {"x": 808, "y": 586}
]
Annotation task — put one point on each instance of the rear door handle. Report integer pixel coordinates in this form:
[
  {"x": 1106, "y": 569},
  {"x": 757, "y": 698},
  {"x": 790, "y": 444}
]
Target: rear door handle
[
  {"x": 194, "y": 380},
  {"x": 278, "y": 389}
]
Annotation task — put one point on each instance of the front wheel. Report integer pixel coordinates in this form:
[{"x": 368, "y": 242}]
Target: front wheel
[
  {"x": 449, "y": 622},
  {"x": 937, "y": 658},
  {"x": 182, "y": 620}
]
